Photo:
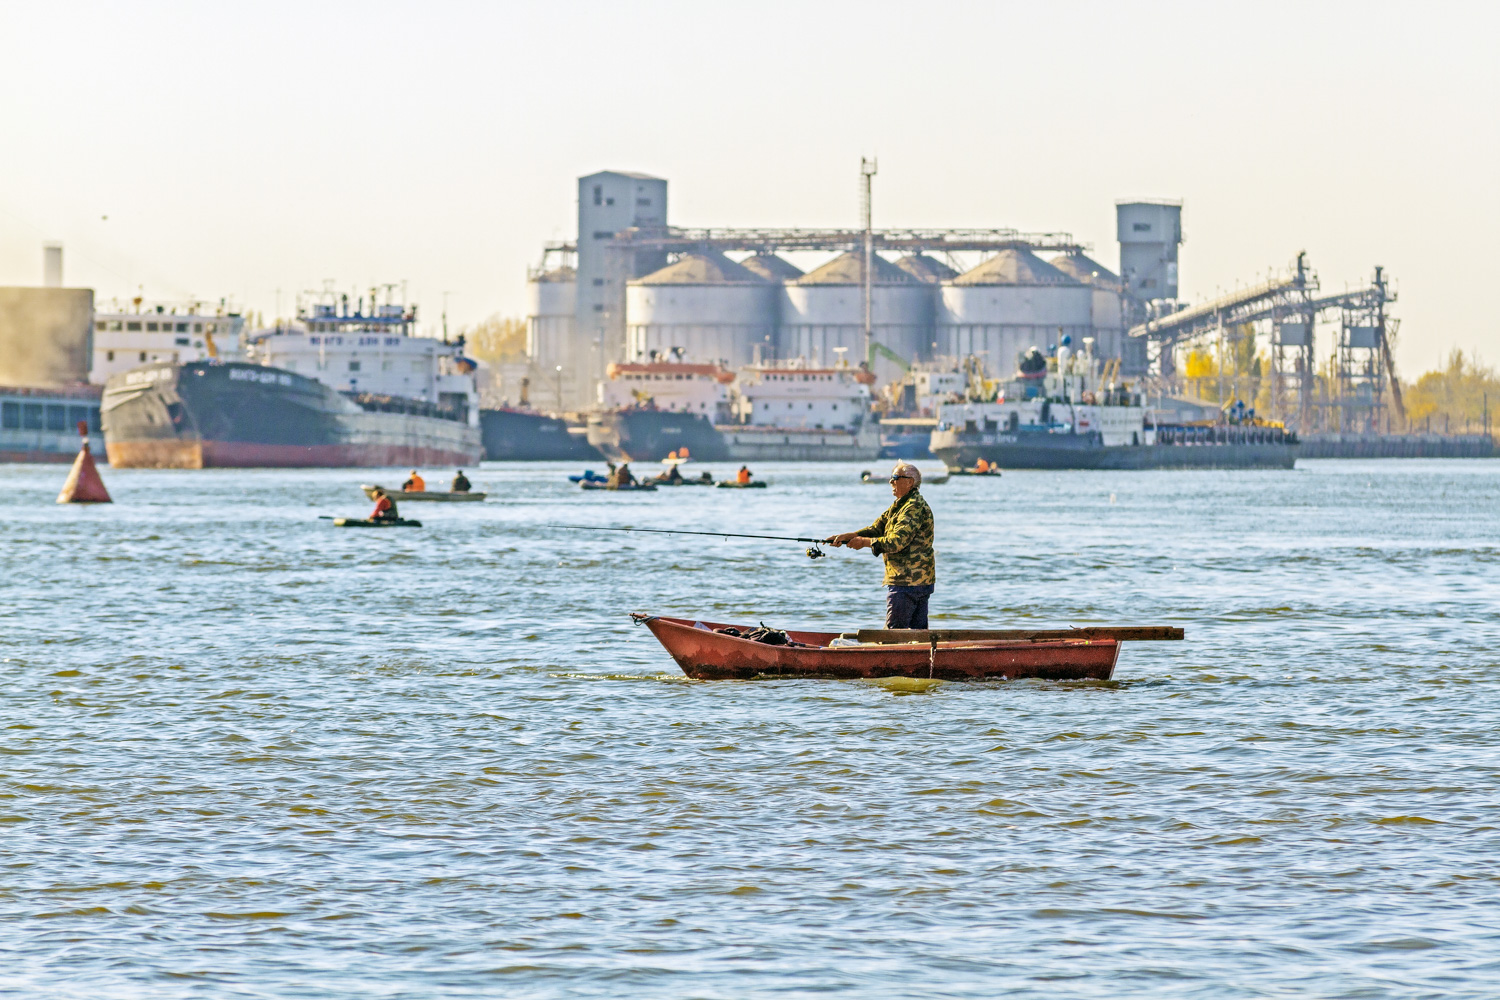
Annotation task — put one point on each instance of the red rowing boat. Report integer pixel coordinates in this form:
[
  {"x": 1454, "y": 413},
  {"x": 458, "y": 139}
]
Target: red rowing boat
[{"x": 705, "y": 653}]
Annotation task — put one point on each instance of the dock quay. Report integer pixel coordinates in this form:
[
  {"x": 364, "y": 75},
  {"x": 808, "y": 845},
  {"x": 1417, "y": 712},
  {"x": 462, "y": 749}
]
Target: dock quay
[{"x": 1336, "y": 445}]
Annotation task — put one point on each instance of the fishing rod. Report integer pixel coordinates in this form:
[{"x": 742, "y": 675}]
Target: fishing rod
[{"x": 813, "y": 552}]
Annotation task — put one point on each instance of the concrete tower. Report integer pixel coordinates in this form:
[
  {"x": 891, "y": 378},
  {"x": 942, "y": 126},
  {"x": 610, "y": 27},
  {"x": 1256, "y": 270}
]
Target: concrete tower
[
  {"x": 608, "y": 202},
  {"x": 52, "y": 273},
  {"x": 1150, "y": 233}
]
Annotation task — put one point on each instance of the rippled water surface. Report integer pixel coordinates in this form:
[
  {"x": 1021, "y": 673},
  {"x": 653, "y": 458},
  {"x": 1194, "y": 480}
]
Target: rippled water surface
[{"x": 245, "y": 753}]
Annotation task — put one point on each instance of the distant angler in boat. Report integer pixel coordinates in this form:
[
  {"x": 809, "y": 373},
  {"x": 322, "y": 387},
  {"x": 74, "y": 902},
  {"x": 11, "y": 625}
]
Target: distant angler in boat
[{"x": 903, "y": 535}]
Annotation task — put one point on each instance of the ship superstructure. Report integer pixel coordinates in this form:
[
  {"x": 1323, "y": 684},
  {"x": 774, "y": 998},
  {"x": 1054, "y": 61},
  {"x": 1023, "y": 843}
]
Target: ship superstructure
[
  {"x": 374, "y": 353},
  {"x": 797, "y": 411},
  {"x": 145, "y": 333}
]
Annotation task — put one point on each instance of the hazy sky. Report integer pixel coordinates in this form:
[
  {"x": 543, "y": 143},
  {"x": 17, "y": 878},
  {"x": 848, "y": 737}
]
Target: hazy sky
[{"x": 240, "y": 149}]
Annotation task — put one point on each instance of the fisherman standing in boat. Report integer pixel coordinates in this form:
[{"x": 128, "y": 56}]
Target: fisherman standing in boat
[{"x": 903, "y": 535}]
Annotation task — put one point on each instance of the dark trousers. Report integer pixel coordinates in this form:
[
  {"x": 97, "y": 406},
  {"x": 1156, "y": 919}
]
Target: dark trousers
[{"x": 906, "y": 607}]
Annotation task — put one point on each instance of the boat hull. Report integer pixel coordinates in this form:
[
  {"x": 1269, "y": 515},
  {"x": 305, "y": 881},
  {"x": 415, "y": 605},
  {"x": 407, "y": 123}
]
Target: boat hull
[
  {"x": 590, "y": 484},
  {"x": 429, "y": 495},
  {"x": 1087, "y": 451},
  {"x": 526, "y": 436},
  {"x": 650, "y": 435},
  {"x": 704, "y": 654},
  {"x": 204, "y": 415},
  {"x": 751, "y": 443}
]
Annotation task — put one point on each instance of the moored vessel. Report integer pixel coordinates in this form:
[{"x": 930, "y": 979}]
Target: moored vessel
[
  {"x": 519, "y": 434},
  {"x": 39, "y": 424},
  {"x": 652, "y": 408},
  {"x": 1069, "y": 412},
  {"x": 797, "y": 412},
  {"x": 373, "y": 394}
]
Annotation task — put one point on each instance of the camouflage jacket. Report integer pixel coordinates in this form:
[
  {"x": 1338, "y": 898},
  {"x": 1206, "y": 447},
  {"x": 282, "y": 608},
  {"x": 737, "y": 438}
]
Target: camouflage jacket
[{"x": 903, "y": 534}]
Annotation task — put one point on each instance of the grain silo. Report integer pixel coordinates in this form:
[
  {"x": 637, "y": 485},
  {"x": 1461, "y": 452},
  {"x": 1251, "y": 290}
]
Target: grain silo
[
  {"x": 552, "y": 296},
  {"x": 926, "y": 269},
  {"x": 772, "y": 267},
  {"x": 1106, "y": 316},
  {"x": 1012, "y": 301},
  {"x": 825, "y": 310},
  {"x": 712, "y": 308}
]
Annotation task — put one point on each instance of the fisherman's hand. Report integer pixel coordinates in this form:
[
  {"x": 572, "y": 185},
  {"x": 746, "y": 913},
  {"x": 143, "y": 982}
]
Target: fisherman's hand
[
  {"x": 839, "y": 540},
  {"x": 859, "y": 542}
]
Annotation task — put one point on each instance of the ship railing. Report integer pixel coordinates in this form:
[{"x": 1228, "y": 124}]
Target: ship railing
[
  {"x": 378, "y": 403},
  {"x": 1189, "y": 435}
]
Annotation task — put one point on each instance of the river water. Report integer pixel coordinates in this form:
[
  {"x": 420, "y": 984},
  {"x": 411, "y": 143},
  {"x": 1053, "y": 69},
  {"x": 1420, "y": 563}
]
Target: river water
[{"x": 246, "y": 754}]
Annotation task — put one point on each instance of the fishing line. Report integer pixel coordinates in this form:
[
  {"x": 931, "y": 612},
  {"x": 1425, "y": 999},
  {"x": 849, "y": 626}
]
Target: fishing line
[{"x": 813, "y": 552}]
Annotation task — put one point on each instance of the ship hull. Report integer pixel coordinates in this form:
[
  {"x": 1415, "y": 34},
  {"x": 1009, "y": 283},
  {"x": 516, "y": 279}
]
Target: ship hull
[
  {"x": 521, "y": 436},
  {"x": 202, "y": 415},
  {"x": 1087, "y": 451},
  {"x": 649, "y": 435},
  {"x": 747, "y": 443}
]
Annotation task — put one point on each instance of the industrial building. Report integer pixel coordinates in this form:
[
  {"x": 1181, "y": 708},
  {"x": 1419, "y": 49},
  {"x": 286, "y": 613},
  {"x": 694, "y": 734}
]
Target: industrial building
[{"x": 631, "y": 284}]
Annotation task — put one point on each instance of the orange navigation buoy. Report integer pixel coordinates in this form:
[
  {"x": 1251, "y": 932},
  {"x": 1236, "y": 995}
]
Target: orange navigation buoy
[{"x": 84, "y": 484}]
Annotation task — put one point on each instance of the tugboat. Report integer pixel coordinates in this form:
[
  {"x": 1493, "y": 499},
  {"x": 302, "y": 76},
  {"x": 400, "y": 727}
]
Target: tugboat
[
  {"x": 1072, "y": 412},
  {"x": 373, "y": 394}
]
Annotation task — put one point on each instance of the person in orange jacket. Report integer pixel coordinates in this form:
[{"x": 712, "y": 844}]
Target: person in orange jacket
[
  {"x": 415, "y": 484},
  {"x": 744, "y": 475}
]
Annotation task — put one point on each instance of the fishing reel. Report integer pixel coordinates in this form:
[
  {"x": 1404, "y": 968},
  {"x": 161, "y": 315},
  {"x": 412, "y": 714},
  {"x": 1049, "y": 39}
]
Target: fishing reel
[{"x": 813, "y": 552}]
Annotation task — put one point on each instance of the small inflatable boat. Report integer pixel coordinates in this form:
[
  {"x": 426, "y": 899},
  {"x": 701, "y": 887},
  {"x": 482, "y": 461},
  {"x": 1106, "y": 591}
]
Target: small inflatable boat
[
  {"x": 646, "y": 487},
  {"x": 439, "y": 495},
  {"x": 367, "y": 522}
]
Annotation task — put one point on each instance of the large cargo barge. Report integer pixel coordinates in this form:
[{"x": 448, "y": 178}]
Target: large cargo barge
[
  {"x": 205, "y": 414},
  {"x": 1064, "y": 413}
]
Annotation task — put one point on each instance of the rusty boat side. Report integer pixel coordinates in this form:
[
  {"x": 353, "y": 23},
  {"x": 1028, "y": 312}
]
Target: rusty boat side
[{"x": 704, "y": 654}]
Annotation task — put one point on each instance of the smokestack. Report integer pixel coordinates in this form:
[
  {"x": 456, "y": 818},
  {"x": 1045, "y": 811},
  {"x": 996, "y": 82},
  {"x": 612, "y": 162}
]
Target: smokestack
[{"x": 51, "y": 265}]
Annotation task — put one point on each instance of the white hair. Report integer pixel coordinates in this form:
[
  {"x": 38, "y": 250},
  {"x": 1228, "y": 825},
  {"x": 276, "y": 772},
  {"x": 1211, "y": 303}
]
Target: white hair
[{"x": 907, "y": 469}]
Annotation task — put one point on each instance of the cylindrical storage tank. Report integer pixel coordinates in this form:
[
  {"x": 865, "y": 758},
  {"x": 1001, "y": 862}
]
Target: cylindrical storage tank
[
  {"x": 1013, "y": 301},
  {"x": 1107, "y": 315},
  {"x": 714, "y": 310},
  {"x": 825, "y": 310},
  {"x": 549, "y": 317}
]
